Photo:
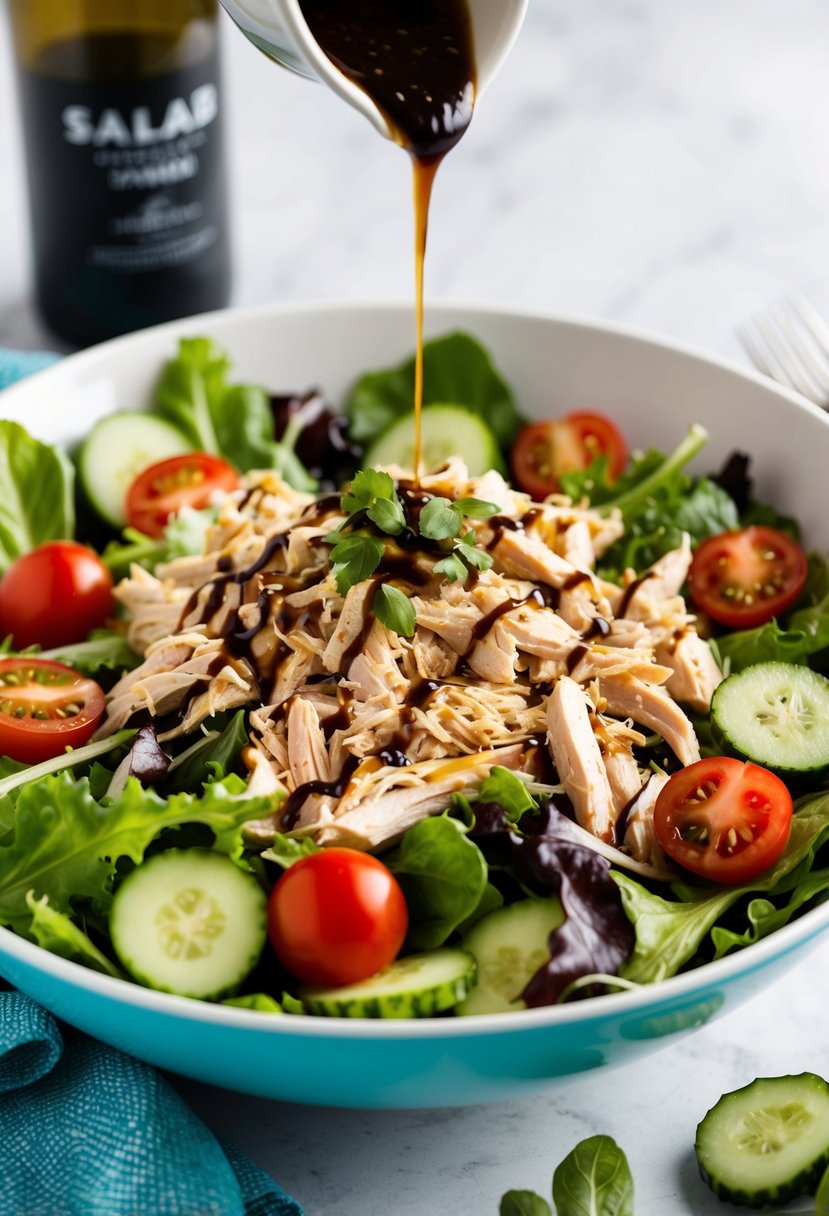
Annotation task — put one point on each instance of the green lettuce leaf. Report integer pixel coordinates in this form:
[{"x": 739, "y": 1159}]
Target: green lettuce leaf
[
  {"x": 55, "y": 932},
  {"x": 523, "y": 1203},
  {"x": 211, "y": 762},
  {"x": 457, "y": 370},
  {"x": 66, "y": 844},
  {"x": 104, "y": 650},
  {"x": 233, "y": 421},
  {"x": 443, "y": 875},
  {"x": 36, "y": 494},
  {"x": 184, "y": 536},
  {"x": 259, "y": 1001},
  {"x": 669, "y": 933},
  {"x": 594, "y": 1180}
]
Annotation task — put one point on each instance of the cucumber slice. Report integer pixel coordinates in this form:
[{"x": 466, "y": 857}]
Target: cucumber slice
[
  {"x": 776, "y": 714},
  {"x": 447, "y": 430},
  {"x": 510, "y": 945},
  {"x": 116, "y": 450},
  {"x": 768, "y": 1142},
  {"x": 415, "y": 987},
  {"x": 189, "y": 921}
]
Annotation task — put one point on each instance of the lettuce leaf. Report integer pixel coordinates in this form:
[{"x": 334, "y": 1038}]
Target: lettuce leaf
[
  {"x": 66, "y": 844},
  {"x": 457, "y": 370},
  {"x": 36, "y": 494},
  {"x": 55, "y": 932},
  {"x": 103, "y": 650},
  {"x": 233, "y": 421},
  {"x": 213, "y": 761},
  {"x": 184, "y": 536},
  {"x": 443, "y": 876},
  {"x": 669, "y": 933}
]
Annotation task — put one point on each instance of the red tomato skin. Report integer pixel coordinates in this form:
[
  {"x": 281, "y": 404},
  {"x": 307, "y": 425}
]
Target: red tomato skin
[
  {"x": 163, "y": 489},
  {"x": 337, "y": 917},
  {"x": 740, "y": 795},
  {"x": 54, "y": 595},
  {"x": 544, "y": 450},
  {"x": 736, "y": 555},
  {"x": 30, "y": 740}
]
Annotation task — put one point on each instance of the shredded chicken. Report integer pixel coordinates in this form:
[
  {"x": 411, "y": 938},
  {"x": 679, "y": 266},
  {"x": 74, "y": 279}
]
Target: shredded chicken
[{"x": 536, "y": 664}]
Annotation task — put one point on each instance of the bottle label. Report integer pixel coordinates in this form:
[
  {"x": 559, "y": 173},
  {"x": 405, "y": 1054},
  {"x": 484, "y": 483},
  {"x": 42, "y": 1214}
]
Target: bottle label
[{"x": 138, "y": 168}]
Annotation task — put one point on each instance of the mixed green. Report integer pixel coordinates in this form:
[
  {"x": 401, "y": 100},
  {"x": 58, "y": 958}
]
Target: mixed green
[{"x": 497, "y": 903}]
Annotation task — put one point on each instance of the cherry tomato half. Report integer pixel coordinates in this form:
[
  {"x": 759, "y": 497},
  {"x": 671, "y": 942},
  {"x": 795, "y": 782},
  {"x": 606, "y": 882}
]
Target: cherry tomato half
[
  {"x": 744, "y": 578},
  {"x": 337, "y": 917},
  {"x": 54, "y": 595},
  {"x": 182, "y": 481},
  {"x": 45, "y": 707},
  {"x": 724, "y": 819},
  {"x": 545, "y": 450}
]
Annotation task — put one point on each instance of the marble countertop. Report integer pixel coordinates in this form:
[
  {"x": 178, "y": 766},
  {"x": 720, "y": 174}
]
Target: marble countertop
[{"x": 659, "y": 164}]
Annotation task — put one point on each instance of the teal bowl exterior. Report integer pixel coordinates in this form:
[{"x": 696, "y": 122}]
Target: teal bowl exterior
[
  {"x": 654, "y": 389},
  {"x": 397, "y": 1065}
]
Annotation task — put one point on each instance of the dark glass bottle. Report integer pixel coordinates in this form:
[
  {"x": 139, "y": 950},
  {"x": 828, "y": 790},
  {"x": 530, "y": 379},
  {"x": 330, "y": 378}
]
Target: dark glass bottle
[{"x": 123, "y": 136}]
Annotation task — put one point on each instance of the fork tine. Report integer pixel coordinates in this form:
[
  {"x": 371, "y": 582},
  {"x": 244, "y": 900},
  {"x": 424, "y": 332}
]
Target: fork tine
[
  {"x": 785, "y": 365},
  {"x": 813, "y": 321},
  {"x": 791, "y": 322}
]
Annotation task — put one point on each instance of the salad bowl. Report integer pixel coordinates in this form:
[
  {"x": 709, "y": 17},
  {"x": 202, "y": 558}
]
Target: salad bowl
[{"x": 654, "y": 390}]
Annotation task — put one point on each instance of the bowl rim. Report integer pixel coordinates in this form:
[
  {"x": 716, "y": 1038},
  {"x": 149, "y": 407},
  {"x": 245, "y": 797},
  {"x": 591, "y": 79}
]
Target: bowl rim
[{"x": 674, "y": 988}]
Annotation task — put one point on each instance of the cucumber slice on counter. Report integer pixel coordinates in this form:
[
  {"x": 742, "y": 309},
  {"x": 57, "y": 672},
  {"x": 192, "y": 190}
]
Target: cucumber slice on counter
[
  {"x": 189, "y": 921},
  {"x": 767, "y": 1143},
  {"x": 776, "y": 714},
  {"x": 116, "y": 450},
  {"x": 510, "y": 945},
  {"x": 447, "y": 430},
  {"x": 415, "y": 987}
]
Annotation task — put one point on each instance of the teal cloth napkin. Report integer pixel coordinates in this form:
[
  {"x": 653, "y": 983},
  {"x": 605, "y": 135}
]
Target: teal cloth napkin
[{"x": 88, "y": 1131}]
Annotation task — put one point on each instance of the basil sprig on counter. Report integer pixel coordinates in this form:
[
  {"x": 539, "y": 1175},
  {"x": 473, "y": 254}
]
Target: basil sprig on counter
[{"x": 372, "y": 501}]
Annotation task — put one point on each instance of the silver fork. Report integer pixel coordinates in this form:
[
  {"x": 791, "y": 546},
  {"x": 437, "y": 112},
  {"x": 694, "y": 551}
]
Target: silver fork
[{"x": 790, "y": 343}]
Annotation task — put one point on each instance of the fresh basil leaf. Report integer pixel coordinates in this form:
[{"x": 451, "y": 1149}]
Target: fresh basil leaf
[
  {"x": 472, "y": 554},
  {"x": 36, "y": 494},
  {"x": 594, "y": 1180},
  {"x": 367, "y": 486},
  {"x": 440, "y": 519},
  {"x": 452, "y": 568},
  {"x": 477, "y": 508},
  {"x": 523, "y": 1203},
  {"x": 456, "y": 370},
  {"x": 443, "y": 876},
  {"x": 355, "y": 558},
  {"x": 388, "y": 516},
  {"x": 508, "y": 790},
  {"x": 395, "y": 610}
]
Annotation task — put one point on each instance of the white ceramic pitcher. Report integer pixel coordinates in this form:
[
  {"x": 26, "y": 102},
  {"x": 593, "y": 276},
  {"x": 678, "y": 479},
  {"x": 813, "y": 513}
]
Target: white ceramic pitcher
[{"x": 279, "y": 29}]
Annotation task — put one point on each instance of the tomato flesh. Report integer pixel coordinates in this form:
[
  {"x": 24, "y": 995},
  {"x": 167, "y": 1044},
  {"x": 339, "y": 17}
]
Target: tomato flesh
[
  {"x": 165, "y": 488},
  {"x": 54, "y": 595},
  {"x": 744, "y": 578},
  {"x": 45, "y": 707},
  {"x": 337, "y": 917},
  {"x": 545, "y": 450},
  {"x": 724, "y": 819}
]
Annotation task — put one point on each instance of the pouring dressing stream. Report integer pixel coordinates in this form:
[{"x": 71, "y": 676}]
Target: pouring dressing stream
[{"x": 410, "y": 65}]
